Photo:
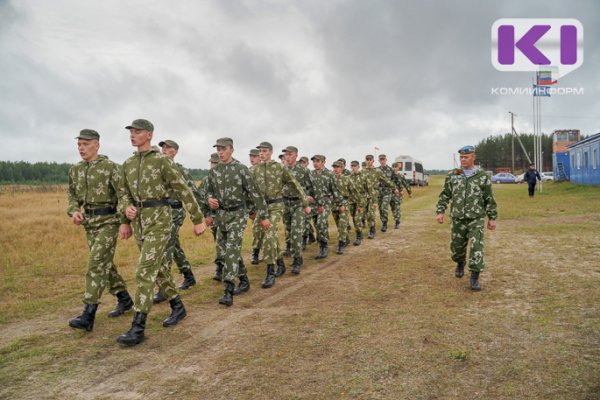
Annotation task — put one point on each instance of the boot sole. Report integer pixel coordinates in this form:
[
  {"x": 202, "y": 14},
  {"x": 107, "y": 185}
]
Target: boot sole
[
  {"x": 129, "y": 344},
  {"x": 83, "y": 328},
  {"x": 166, "y": 325}
]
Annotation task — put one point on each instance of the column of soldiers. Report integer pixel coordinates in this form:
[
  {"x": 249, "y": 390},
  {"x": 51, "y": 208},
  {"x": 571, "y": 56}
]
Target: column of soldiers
[{"x": 150, "y": 195}]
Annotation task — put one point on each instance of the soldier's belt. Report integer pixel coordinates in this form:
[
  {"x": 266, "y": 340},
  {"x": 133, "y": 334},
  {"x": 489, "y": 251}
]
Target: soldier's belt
[
  {"x": 99, "y": 211},
  {"x": 151, "y": 203},
  {"x": 275, "y": 201},
  {"x": 234, "y": 208},
  {"x": 291, "y": 198},
  {"x": 175, "y": 204}
]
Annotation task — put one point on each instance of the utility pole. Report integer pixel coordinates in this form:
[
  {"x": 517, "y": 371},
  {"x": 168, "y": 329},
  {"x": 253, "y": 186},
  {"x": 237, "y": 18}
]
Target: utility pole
[{"x": 512, "y": 139}]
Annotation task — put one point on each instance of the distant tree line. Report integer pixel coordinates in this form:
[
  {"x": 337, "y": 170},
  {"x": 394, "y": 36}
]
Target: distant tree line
[
  {"x": 495, "y": 152},
  {"x": 49, "y": 172}
]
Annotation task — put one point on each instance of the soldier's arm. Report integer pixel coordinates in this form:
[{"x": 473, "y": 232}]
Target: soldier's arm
[
  {"x": 115, "y": 182},
  {"x": 73, "y": 202},
  {"x": 488, "y": 200},
  {"x": 445, "y": 197},
  {"x": 385, "y": 180},
  {"x": 249, "y": 185},
  {"x": 124, "y": 195},
  {"x": 289, "y": 179},
  {"x": 338, "y": 199},
  {"x": 355, "y": 193},
  {"x": 172, "y": 175}
]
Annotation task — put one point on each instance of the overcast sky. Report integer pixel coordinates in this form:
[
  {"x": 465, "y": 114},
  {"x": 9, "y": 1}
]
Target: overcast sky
[{"x": 332, "y": 77}]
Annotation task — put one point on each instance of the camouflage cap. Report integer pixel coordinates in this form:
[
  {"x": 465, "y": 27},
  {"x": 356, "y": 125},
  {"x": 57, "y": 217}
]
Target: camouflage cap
[
  {"x": 88, "y": 134},
  {"x": 363, "y": 164},
  {"x": 466, "y": 150},
  {"x": 319, "y": 157},
  {"x": 254, "y": 152},
  {"x": 382, "y": 156},
  {"x": 224, "y": 141},
  {"x": 369, "y": 157},
  {"x": 342, "y": 160},
  {"x": 214, "y": 158},
  {"x": 141, "y": 124},
  {"x": 292, "y": 149},
  {"x": 355, "y": 163},
  {"x": 265, "y": 145},
  {"x": 170, "y": 143},
  {"x": 304, "y": 158},
  {"x": 337, "y": 163},
  {"x": 281, "y": 156}
]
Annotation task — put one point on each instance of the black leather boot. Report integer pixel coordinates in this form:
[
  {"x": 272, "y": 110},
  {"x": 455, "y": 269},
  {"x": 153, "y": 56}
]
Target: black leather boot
[
  {"x": 340, "y": 249},
  {"x": 288, "y": 250},
  {"x": 188, "y": 280},
  {"x": 358, "y": 239},
  {"x": 384, "y": 227},
  {"x": 159, "y": 297},
  {"x": 218, "y": 272},
  {"x": 255, "y": 256},
  {"x": 270, "y": 278},
  {"x": 371, "y": 233},
  {"x": 475, "y": 281},
  {"x": 298, "y": 261},
  {"x": 280, "y": 267},
  {"x": 459, "y": 272},
  {"x": 124, "y": 303},
  {"x": 135, "y": 334},
  {"x": 86, "y": 319},
  {"x": 397, "y": 225},
  {"x": 227, "y": 298},
  {"x": 177, "y": 312},
  {"x": 311, "y": 237},
  {"x": 323, "y": 251},
  {"x": 243, "y": 287}
]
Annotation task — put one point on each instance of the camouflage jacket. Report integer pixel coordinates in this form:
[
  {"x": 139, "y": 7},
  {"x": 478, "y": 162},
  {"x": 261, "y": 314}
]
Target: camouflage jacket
[
  {"x": 401, "y": 182},
  {"x": 201, "y": 198},
  {"x": 361, "y": 186},
  {"x": 95, "y": 184},
  {"x": 150, "y": 175},
  {"x": 471, "y": 197},
  {"x": 233, "y": 186},
  {"x": 303, "y": 177},
  {"x": 271, "y": 177},
  {"x": 375, "y": 178},
  {"x": 326, "y": 188},
  {"x": 187, "y": 177},
  {"x": 349, "y": 191}
]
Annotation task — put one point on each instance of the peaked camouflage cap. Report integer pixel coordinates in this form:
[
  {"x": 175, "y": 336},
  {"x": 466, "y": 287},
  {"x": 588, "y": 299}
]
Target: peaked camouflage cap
[
  {"x": 170, "y": 143},
  {"x": 88, "y": 134},
  {"x": 141, "y": 124}
]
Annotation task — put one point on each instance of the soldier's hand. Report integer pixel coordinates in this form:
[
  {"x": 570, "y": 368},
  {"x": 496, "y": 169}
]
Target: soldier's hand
[
  {"x": 440, "y": 218},
  {"x": 265, "y": 224},
  {"x": 342, "y": 209},
  {"x": 310, "y": 199},
  {"x": 125, "y": 231},
  {"x": 77, "y": 218},
  {"x": 213, "y": 203},
  {"x": 396, "y": 191},
  {"x": 320, "y": 209},
  {"x": 199, "y": 228},
  {"x": 491, "y": 224},
  {"x": 131, "y": 213},
  {"x": 375, "y": 206},
  {"x": 307, "y": 210},
  {"x": 209, "y": 221},
  {"x": 359, "y": 210}
]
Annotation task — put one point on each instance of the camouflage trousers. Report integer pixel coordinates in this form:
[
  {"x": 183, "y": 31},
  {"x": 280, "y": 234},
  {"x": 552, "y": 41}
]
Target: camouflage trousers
[
  {"x": 257, "y": 234},
  {"x": 322, "y": 223},
  {"x": 271, "y": 246},
  {"x": 370, "y": 213},
  {"x": 356, "y": 217},
  {"x": 384, "y": 205},
  {"x": 229, "y": 245},
  {"x": 102, "y": 271},
  {"x": 294, "y": 221},
  {"x": 468, "y": 231},
  {"x": 174, "y": 250},
  {"x": 342, "y": 219},
  {"x": 395, "y": 203},
  {"x": 308, "y": 228},
  {"x": 153, "y": 269}
]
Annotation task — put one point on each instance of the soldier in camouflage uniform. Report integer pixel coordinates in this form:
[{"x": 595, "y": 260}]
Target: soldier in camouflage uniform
[
  {"x": 327, "y": 195},
  {"x": 345, "y": 171},
  {"x": 271, "y": 177},
  {"x": 229, "y": 187},
  {"x": 149, "y": 179},
  {"x": 309, "y": 233},
  {"x": 356, "y": 207},
  {"x": 257, "y": 232},
  {"x": 374, "y": 178},
  {"x": 470, "y": 190},
  {"x": 294, "y": 217},
  {"x": 341, "y": 215},
  {"x": 396, "y": 200},
  {"x": 174, "y": 250},
  {"x": 385, "y": 192},
  {"x": 93, "y": 186}
]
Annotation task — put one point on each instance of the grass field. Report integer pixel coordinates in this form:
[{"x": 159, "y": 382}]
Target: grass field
[{"x": 386, "y": 320}]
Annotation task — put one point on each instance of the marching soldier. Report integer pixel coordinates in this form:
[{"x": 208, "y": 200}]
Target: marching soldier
[
  {"x": 356, "y": 210},
  {"x": 149, "y": 179},
  {"x": 345, "y": 171},
  {"x": 341, "y": 215},
  {"x": 309, "y": 234},
  {"x": 374, "y": 179},
  {"x": 396, "y": 200},
  {"x": 257, "y": 232},
  {"x": 470, "y": 190},
  {"x": 271, "y": 177},
  {"x": 93, "y": 186},
  {"x": 385, "y": 192}
]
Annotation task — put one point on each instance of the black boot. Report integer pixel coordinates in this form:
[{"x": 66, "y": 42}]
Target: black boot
[
  {"x": 86, "y": 319},
  {"x": 323, "y": 251},
  {"x": 135, "y": 334},
  {"x": 124, "y": 303},
  {"x": 159, "y": 297},
  {"x": 311, "y": 237},
  {"x": 288, "y": 250},
  {"x": 358, "y": 239},
  {"x": 270, "y": 278},
  {"x": 460, "y": 269},
  {"x": 255, "y": 256},
  {"x": 243, "y": 287},
  {"x": 340, "y": 249},
  {"x": 296, "y": 265},
  {"x": 384, "y": 227},
  {"x": 397, "y": 225},
  {"x": 218, "y": 272},
  {"x": 371, "y": 233},
  {"x": 475, "y": 281},
  {"x": 177, "y": 312},
  {"x": 280, "y": 267},
  {"x": 188, "y": 280},
  {"x": 227, "y": 298},
  {"x": 304, "y": 241}
]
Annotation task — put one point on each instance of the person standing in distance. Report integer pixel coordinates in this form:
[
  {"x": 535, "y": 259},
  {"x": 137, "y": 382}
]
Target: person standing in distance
[{"x": 531, "y": 177}]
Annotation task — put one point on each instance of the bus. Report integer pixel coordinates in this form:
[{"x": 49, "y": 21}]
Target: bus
[{"x": 412, "y": 169}]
